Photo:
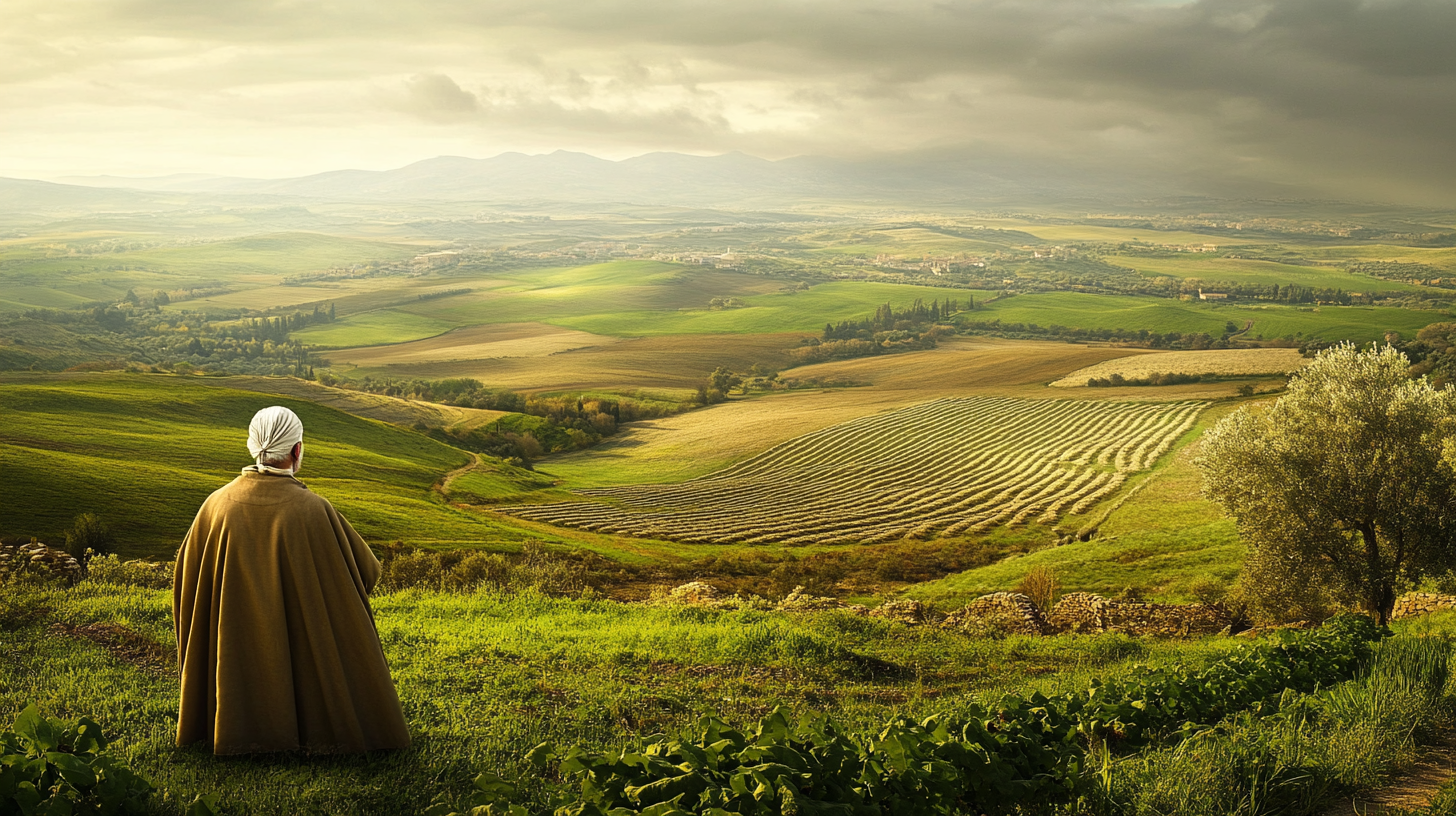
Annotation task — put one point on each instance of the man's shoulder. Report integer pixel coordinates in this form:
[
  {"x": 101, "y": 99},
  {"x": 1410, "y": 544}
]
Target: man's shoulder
[{"x": 266, "y": 489}]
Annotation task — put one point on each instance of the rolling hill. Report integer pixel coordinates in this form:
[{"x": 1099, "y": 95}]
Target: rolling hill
[{"x": 143, "y": 452}]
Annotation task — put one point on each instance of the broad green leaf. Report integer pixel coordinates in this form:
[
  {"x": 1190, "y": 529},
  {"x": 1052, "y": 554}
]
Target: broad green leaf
[
  {"x": 73, "y": 769},
  {"x": 37, "y": 730}
]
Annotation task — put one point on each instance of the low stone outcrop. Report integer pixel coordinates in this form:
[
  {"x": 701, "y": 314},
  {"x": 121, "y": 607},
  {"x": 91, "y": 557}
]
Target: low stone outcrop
[
  {"x": 33, "y": 556},
  {"x": 694, "y": 593},
  {"x": 911, "y": 612},
  {"x": 1007, "y": 611},
  {"x": 1415, "y": 604},
  {"x": 801, "y": 601}
]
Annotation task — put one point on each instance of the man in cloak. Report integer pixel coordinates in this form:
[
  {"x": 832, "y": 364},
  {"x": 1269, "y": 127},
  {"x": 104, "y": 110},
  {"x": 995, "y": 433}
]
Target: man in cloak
[{"x": 275, "y": 638}]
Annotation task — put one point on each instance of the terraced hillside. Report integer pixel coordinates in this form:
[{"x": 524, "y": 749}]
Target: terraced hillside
[{"x": 944, "y": 467}]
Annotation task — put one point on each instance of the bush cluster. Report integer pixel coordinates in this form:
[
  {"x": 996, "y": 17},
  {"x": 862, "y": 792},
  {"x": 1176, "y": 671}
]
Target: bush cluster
[
  {"x": 1022, "y": 752},
  {"x": 554, "y": 573},
  {"x": 110, "y": 569},
  {"x": 1155, "y": 378}
]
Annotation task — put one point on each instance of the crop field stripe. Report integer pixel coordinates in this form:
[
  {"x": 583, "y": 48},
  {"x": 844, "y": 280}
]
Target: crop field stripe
[
  {"x": 697, "y": 514},
  {"x": 942, "y": 467}
]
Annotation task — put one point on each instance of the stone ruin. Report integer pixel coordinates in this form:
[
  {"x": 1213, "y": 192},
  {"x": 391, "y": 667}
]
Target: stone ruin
[{"x": 33, "y": 556}]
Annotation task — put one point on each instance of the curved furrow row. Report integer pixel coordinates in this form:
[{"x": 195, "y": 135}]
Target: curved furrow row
[{"x": 944, "y": 467}]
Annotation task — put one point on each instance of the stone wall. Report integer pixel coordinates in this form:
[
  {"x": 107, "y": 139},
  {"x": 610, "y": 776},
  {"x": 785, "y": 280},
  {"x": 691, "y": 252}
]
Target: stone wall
[
  {"x": 1415, "y": 604},
  {"x": 1008, "y": 611},
  {"x": 1166, "y": 620},
  {"x": 1079, "y": 612},
  {"x": 1085, "y": 612}
]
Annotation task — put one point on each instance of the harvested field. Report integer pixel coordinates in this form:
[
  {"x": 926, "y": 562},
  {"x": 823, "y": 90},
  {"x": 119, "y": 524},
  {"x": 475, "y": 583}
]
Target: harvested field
[
  {"x": 681, "y": 362},
  {"x": 689, "y": 445},
  {"x": 475, "y": 343},
  {"x": 940, "y": 468},
  {"x": 1223, "y": 362}
]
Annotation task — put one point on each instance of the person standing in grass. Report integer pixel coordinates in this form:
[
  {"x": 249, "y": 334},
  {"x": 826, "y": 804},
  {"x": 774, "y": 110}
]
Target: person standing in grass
[{"x": 276, "y": 641}]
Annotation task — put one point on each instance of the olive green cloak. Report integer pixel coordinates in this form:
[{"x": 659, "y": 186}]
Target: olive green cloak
[{"x": 275, "y": 638}]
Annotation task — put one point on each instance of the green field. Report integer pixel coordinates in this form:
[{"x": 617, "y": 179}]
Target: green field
[
  {"x": 1441, "y": 258},
  {"x": 1361, "y": 324},
  {"x": 1243, "y": 270},
  {"x": 780, "y": 312},
  {"x": 51, "y": 273},
  {"x": 629, "y": 299},
  {"x": 374, "y": 328}
]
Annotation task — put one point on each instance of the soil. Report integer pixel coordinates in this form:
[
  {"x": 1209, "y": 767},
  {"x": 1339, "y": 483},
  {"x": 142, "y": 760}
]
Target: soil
[
  {"x": 127, "y": 645},
  {"x": 1412, "y": 790}
]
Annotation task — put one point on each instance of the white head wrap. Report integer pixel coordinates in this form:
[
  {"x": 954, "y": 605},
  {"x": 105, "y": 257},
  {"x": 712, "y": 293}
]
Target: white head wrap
[{"x": 273, "y": 433}]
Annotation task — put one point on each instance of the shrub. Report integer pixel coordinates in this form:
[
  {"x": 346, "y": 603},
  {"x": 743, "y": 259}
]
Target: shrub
[
  {"x": 61, "y": 767},
  {"x": 110, "y": 569},
  {"x": 1208, "y": 591},
  {"x": 89, "y": 533},
  {"x": 1041, "y": 586}
]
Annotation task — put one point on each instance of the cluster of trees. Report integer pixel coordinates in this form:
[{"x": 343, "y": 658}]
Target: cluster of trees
[
  {"x": 277, "y": 329},
  {"x": 887, "y": 318},
  {"x": 443, "y": 293},
  {"x": 551, "y": 423},
  {"x": 1432, "y": 353},
  {"x": 890, "y": 330},
  {"x": 1142, "y": 337},
  {"x": 1155, "y": 378},
  {"x": 189, "y": 341}
]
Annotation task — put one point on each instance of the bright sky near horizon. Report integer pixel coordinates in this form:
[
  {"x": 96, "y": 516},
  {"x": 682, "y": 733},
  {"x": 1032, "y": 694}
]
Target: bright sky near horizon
[{"x": 1336, "y": 97}]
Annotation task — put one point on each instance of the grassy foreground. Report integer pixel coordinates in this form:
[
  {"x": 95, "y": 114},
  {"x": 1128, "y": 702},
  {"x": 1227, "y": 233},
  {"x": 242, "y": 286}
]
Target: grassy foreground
[{"x": 484, "y": 677}]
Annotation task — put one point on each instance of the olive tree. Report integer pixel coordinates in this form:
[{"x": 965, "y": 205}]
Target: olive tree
[{"x": 1340, "y": 488}]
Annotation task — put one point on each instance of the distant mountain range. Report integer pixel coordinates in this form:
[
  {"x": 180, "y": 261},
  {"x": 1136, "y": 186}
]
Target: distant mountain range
[{"x": 733, "y": 180}]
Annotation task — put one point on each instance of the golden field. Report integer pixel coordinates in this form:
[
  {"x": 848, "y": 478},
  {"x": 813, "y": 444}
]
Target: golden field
[{"x": 1223, "y": 362}]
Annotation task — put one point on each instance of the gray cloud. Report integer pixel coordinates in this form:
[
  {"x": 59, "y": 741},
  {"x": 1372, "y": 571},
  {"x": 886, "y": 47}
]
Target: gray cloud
[
  {"x": 1331, "y": 97},
  {"x": 437, "y": 97}
]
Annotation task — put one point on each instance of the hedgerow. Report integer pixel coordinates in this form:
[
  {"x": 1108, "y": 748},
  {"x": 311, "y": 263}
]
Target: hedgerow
[{"x": 1020, "y": 754}]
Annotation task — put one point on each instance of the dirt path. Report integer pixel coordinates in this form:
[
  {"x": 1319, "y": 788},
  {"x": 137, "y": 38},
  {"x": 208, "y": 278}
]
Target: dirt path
[
  {"x": 1411, "y": 790},
  {"x": 443, "y": 486}
]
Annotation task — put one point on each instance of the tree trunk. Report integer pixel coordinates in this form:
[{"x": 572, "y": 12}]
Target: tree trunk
[{"x": 1380, "y": 597}]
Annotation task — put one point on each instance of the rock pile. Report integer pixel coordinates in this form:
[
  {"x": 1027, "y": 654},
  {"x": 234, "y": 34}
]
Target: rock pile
[
  {"x": 911, "y": 612},
  {"x": 695, "y": 593},
  {"x": 33, "y": 556},
  {"x": 1415, "y": 604}
]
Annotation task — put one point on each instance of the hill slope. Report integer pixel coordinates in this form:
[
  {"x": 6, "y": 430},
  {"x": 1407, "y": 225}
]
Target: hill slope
[{"x": 143, "y": 452}]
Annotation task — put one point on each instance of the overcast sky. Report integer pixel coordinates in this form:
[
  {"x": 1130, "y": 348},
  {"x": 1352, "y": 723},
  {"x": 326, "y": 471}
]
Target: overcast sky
[{"x": 1340, "y": 98}]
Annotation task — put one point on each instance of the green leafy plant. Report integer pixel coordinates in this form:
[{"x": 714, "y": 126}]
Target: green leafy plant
[
  {"x": 1018, "y": 753},
  {"x": 51, "y": 767}
]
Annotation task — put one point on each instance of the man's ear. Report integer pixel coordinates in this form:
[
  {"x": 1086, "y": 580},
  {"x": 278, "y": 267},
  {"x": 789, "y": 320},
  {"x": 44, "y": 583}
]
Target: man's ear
[{"x": 296, "y": 452}]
